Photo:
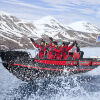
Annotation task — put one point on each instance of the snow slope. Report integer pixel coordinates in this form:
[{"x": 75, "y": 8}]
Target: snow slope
[
  {"x": 84, "y": 26},
  {"x": 49, "y": 26}
]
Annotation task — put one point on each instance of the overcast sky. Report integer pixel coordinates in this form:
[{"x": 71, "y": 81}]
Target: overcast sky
[{"x": 66, "y": 11}]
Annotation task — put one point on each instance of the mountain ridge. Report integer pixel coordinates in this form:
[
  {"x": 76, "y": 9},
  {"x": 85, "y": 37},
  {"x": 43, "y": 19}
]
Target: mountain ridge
[
  {"x": 15, "y": 33},
  {"x": 84, "y": 26}
]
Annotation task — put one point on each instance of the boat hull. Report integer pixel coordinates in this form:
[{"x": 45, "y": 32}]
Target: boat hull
[
  {"x": 25, "y": 68},
  {"x": 33, "y": 72}
]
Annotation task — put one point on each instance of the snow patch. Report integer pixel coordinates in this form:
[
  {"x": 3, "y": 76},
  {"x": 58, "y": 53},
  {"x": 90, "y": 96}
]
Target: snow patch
[{"x": 84, "y": 26}]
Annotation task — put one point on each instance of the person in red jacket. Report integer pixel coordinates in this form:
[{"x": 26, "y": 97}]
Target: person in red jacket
[
  {"x": 54, "y": 51},
  {"x": 58, "y": 51},
  {"x": 66, "y": 48},
  {"x": 47, "y": 46},
  {"x": 40, "y": 47},
  {"x": 51, "y": 51}
]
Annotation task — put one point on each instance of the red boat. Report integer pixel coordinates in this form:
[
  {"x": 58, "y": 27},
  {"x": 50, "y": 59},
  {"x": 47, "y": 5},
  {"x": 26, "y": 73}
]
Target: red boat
[{"x": 26, "y": 68}]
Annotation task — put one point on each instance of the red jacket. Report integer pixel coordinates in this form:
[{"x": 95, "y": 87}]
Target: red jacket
[
  {"x": 54, "y": 52},
  {"x": 51, "y": 52},
  {"x": 41, "y": 50},
  {"x": 58, "y": 53},
  {"x": 48, "y": 45},
  {"x": 46, "y": 49},
  {"x": 65, "y": 50}
]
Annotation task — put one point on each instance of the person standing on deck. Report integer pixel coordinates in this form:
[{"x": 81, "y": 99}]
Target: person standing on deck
[
  {"x": 47, "y": 46},
  {"x": 58, "y": 51},
  {"x": 40, "y": 47},
  {"x": 66, "y": 48},
  {"x": 51, "y": 50}
]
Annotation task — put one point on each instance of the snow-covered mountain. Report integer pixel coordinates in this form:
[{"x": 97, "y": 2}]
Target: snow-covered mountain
[
  {"x": 15, "y": 33},
  {"x": 84, "y": 26},
  {"x": 48, "y": 25}
]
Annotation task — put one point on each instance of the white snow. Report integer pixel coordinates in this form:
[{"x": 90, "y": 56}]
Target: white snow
[
  {"x": 48, "y": 25},
  {"x": 84, "y": 26},
  {"x": 47, "y": 19},
  {"x": 11, "y": 27},
  {"x": 10, "y": 39}
]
